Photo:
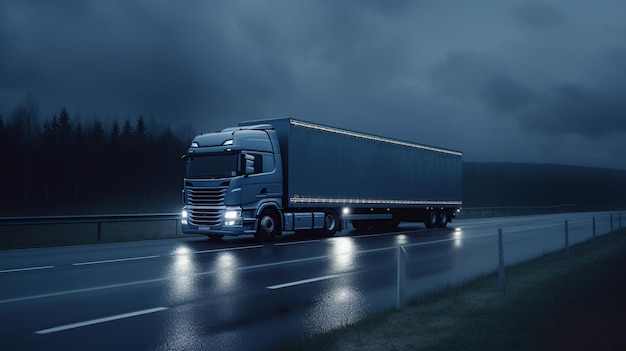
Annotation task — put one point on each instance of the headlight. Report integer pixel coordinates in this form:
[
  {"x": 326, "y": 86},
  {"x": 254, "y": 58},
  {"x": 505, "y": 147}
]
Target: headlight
[
  {"x": 232, "y": 217},
  {"x": 232, "y": 214},
  {"x": 183, "y": 217}
]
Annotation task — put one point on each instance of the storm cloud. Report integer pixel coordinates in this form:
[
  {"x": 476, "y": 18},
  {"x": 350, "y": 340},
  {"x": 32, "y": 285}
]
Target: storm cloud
[{"x": 532, "y": 81}]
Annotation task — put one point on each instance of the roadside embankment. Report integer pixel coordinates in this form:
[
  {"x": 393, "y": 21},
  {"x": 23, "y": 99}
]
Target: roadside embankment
[{"x": 562, "y": 301}]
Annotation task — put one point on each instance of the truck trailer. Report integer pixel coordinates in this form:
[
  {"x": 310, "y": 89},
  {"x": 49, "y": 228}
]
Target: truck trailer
[{"x": 271, "y": 176}]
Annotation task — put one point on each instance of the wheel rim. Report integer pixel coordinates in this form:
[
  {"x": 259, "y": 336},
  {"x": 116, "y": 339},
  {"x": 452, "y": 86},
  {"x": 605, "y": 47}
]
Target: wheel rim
[
  {"x": 330, "y": 222},
  {"x": 432, "y": 217},
  {"x": 268, "y": 225}
]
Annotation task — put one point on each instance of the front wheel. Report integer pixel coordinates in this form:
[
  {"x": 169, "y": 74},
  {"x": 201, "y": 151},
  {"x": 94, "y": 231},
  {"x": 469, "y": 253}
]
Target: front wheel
[{"x": 268, "y": 225}]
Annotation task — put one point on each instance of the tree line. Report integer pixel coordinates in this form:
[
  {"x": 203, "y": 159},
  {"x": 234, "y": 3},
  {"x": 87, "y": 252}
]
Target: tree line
[{"x": 62, "y": 166}]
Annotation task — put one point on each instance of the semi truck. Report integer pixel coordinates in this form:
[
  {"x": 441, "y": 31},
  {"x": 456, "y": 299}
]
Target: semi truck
[{"x": 268, "y": 177}]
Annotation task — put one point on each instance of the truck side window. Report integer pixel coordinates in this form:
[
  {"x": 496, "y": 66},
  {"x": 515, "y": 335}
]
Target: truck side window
[
  {"x": 263, "y": 163},
  {"x": 268, "y": 163},
  {"x": 258, "y": 163}
]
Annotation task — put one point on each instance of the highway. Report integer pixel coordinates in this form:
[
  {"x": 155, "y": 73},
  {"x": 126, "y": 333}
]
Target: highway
[{"x": 237, "y": 294}]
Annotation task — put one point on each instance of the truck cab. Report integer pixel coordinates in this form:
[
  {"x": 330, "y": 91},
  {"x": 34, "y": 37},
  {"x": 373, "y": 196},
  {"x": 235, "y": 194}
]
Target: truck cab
[{"x": 231, "y": 176}]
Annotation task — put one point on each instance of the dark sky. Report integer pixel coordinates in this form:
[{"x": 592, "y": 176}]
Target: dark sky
[{"x": 523, "y": 81}]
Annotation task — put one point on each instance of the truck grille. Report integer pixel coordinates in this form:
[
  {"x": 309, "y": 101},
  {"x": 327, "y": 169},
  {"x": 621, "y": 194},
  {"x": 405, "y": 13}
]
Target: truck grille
[
  {"x": 206, "y": 205},
  {"x": 205, "y": 216},
  {"x": 206, "y": 196}
]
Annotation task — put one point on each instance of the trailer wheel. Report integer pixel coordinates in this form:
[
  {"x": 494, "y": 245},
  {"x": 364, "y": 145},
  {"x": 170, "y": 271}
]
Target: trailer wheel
[
  {"x": 331, "y": 223},
  {"x": 431, "y": 220},
  {"x": 442, "y": 219},
  {"x": 268, "y": 226}
]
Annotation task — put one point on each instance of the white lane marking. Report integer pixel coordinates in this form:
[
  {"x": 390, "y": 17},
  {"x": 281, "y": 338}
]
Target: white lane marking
[
  {"x": 228, "y": 249},
  {"x": 297, "y": 242},
  {"x": 100, "y": 320},
  {"x": 266, "y": 265},
  {"x": 305, "y": 281},
  {"x": 115, "y": 260},
  {"x": 25, "y": 269}
]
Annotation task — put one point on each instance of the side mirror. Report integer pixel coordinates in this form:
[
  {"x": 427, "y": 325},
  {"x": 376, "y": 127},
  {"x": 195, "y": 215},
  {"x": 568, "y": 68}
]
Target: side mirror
[{"x": 247, "y": 162}]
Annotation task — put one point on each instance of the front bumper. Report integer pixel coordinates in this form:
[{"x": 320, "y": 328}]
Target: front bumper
[{"x": 233, "y": 221}]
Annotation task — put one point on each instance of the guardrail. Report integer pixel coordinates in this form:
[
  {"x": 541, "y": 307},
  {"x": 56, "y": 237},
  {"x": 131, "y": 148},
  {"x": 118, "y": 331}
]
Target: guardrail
[
  {"x": 472, "y": 212},
  {"x": 88, "y": 219}
]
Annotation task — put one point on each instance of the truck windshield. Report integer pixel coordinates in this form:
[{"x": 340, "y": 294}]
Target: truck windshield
[{"x": 212, "y": 166}]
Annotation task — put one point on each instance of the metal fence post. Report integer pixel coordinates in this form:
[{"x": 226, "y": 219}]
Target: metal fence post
[
  {"x": 99, "y": 231},
  {"x": 501, "y": 274},
  {"x": 566, "y": 237},
  {"x": 594, "y": 228},
  {"x": 401, "y": 278}
]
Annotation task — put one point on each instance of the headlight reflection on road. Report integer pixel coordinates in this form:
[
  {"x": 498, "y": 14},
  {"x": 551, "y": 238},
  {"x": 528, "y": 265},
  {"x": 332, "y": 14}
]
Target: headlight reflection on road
[
  {"x": 458, "y": 238},
  {"x": 341, "y": 303},
  {"x": 182, "y": 273},
  {"x": 224, "y": 267},
  {"x": 401, "y": 239},
  {"x": 341, "y": 253}
]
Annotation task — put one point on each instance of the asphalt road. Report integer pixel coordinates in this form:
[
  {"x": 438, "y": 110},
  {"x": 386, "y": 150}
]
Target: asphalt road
[{"x": 236, "y": 294}]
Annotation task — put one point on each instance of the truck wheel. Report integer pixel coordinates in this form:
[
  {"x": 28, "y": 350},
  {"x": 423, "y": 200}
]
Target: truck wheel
[
  {"x": 268, "y": 226},
  {"x": 331, "y": 223},
  {"x": 442, "y": 219},
  {"x": 431, "y": 220}
]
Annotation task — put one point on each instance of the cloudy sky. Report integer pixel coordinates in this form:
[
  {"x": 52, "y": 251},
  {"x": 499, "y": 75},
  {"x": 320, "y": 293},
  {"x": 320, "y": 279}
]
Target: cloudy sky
[{"x": 522, "y": 81}]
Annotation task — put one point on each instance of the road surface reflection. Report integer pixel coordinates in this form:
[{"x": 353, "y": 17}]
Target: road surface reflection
[
  {"x": 341, "y": 303},
  {"x": 182, "y": 273},
  {"x": 341, "y": 253}
]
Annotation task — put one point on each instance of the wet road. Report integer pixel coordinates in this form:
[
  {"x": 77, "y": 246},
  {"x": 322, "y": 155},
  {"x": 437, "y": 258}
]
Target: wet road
[{"x": 236, "y": 294}]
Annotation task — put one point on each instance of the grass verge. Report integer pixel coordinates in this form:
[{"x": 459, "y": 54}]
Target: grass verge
[{"x": 562, "y": 301}]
